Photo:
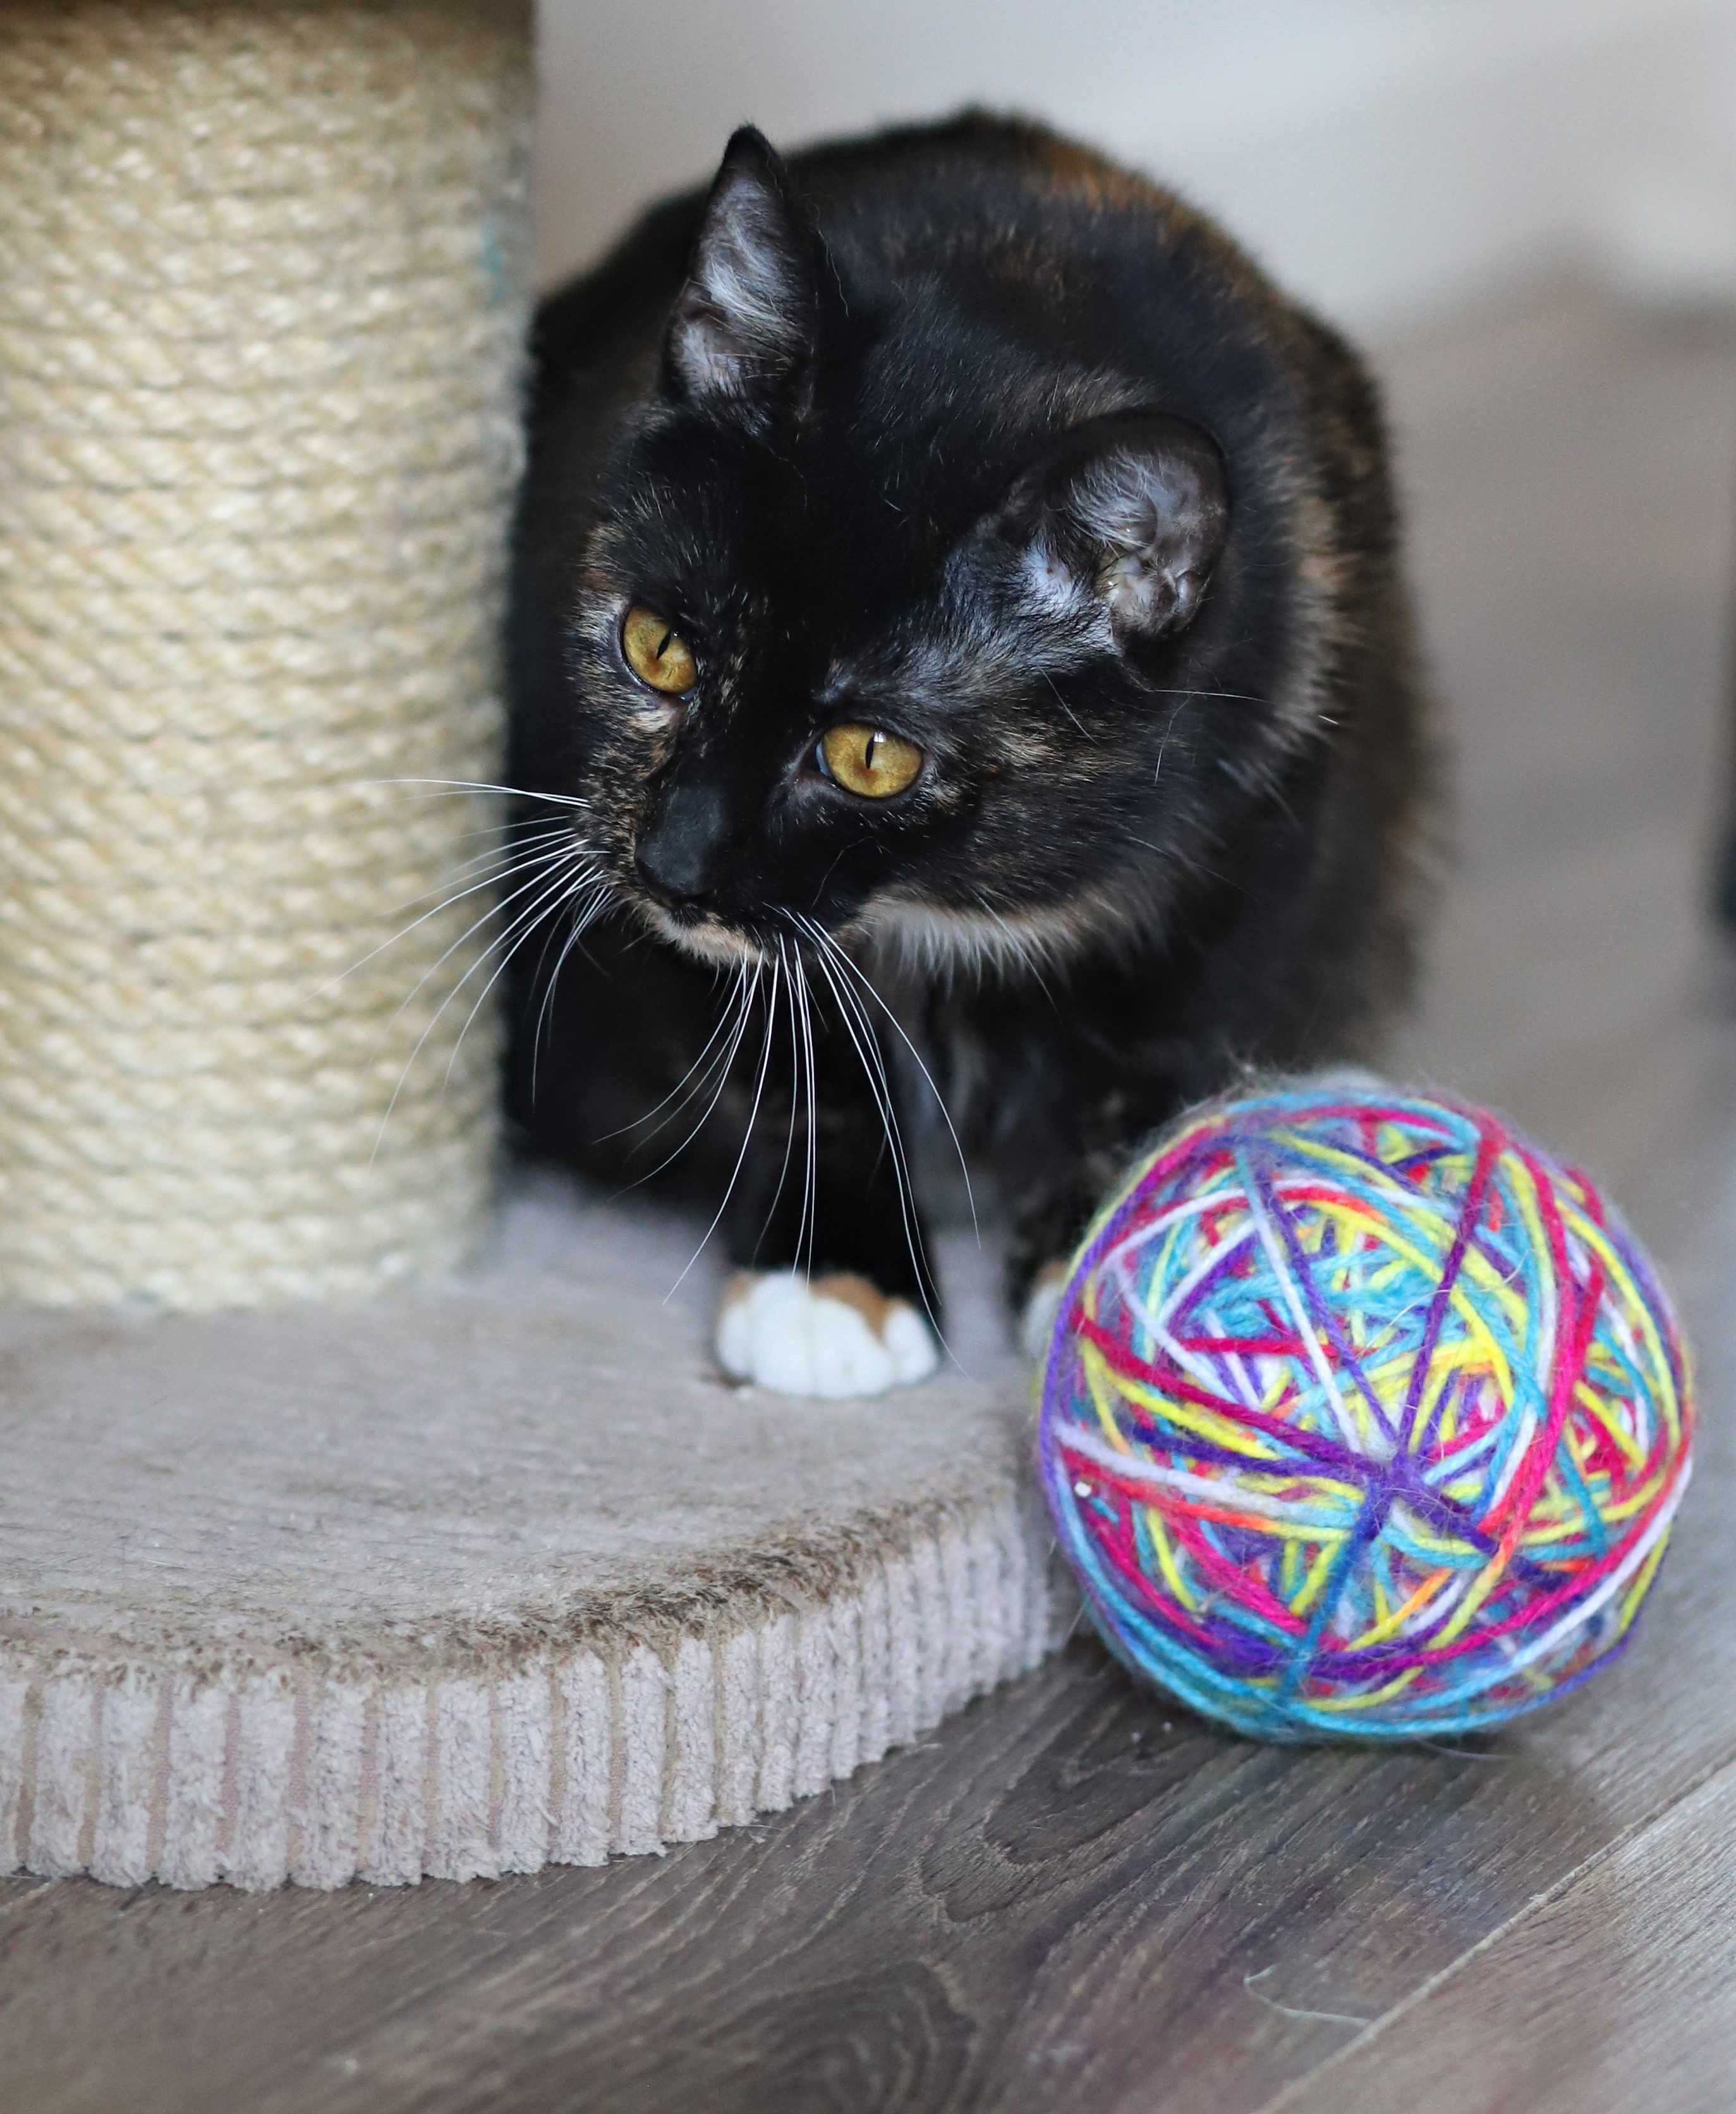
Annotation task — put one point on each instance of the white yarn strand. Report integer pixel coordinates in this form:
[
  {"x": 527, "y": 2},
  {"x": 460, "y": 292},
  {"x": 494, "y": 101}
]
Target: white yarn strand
[{"x": 264, "y": 289}]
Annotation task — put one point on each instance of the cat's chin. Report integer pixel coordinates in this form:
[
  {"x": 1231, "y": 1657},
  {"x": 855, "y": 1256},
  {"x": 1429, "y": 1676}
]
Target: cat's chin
[
  {"x": 940, "y": 941},
  {"x": 706, "y": 939}
]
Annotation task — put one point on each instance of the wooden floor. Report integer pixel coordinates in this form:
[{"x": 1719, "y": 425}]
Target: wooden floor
[{"x": 1071, "y": 1899}]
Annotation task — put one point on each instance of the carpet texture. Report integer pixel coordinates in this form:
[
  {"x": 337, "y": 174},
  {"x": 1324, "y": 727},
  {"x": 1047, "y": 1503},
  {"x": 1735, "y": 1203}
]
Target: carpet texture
[{"x": 487, "y": 1576}]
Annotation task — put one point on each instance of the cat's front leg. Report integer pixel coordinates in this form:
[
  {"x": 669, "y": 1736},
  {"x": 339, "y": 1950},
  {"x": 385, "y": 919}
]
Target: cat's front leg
[
  {"x": 832, "y": 1294},
  {"x": 1049, "y": 1218}
]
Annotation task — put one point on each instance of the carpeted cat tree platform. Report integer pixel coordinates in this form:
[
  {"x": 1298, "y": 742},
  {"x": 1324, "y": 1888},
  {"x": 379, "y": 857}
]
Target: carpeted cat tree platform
[
  {"x": 353, "y": 1523},
  {"x": 477, "y": 1577}
]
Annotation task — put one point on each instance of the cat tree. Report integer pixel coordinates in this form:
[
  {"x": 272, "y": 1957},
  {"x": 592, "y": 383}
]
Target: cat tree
[{"x": 483, "y": 1573}]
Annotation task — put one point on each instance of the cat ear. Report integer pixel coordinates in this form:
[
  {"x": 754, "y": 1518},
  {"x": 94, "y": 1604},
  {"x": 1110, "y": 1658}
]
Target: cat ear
[
  {"x": 744, "y": 322},
  {"x": 1128, "y": 513}
]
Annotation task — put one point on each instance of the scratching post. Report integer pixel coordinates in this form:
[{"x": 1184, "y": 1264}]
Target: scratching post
[
  {"x": 262, "y": 291},
  {"x": 487, "y": 1573}
]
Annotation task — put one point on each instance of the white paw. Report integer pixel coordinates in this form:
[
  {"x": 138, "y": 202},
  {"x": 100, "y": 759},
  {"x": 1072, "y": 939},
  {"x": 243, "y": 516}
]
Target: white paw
[
  {"x": 837, "y": 1336},
  {"x": 1042, "y": 1303}
]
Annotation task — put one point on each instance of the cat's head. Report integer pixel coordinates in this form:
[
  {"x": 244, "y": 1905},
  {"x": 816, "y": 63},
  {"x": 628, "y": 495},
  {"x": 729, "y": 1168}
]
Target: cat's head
[{"x": 892, "y": 594}]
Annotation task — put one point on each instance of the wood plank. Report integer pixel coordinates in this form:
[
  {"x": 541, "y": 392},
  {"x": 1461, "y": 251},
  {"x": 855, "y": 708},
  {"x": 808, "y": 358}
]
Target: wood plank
[{"x": 1614, "y": 1991}]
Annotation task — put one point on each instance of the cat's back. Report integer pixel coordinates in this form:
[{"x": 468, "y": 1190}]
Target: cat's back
[
  {"x": 1010, "y": 199},
  {"x": 1009, "y": 229}
]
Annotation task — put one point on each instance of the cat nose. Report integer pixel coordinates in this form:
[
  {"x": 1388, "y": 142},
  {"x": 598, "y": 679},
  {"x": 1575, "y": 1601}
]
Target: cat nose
[{"x": 677, "y": 856}]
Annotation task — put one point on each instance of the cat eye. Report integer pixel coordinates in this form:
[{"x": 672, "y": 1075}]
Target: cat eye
[
  {"x": 656, "y": 652},
  {"x": 868, "y": 761}
]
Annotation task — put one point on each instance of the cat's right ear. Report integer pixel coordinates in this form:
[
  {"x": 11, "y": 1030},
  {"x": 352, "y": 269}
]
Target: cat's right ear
[
  {"x": 744, "y": 324},
  {"x": 1124, "y": 516}
]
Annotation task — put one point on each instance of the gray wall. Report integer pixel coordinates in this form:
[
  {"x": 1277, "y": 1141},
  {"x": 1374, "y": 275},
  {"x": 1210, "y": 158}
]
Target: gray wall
[{"x": 1383, "y": 156}]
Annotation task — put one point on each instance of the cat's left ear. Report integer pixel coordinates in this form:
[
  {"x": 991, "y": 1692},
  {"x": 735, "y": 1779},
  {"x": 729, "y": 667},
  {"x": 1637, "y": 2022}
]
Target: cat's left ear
[
  {"x": 1127, "y": 514},
  {"x": 744, "y": 325}
]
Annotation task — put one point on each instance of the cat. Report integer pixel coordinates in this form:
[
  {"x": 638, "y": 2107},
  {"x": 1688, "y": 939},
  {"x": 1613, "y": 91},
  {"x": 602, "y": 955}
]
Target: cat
[{"x": 967, "y": 701}]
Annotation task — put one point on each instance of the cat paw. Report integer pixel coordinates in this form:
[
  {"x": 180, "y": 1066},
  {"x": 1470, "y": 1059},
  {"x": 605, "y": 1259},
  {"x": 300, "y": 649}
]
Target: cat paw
[
  {"x": 1042, "y": 1303},
  {"x": 835, "y": 1336}
]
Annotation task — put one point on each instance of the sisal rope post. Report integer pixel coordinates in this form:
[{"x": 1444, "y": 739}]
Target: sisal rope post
[{"x": 263, "y": 285}]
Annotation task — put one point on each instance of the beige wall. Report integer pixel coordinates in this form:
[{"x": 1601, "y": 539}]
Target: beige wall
[{"x": 1383, "y": 155}]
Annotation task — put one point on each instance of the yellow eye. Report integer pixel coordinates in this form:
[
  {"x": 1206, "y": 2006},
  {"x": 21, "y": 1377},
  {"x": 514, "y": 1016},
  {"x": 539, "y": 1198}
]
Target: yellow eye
[
  {"x": 656, "y": 652},
  {"x": 868, "y": 761}
]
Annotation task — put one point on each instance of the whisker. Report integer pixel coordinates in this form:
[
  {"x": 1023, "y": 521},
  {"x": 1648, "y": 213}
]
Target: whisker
[
  {"x": 482, "y": 867},
  {"x": 827, "y": 942},
  {"x": 1187, "y": 698},
  {"x": 880, "y": 1086},
  {"x": 783, "y": 1172},
  {"x": 515, "y": 866},
  {"x": 1232, "y": 697},
  {"x": 539, "y": 868},
  {"x": 725, "y": 1060},
  {"x": 529, "y": 921},
  {"x": 809, "y": 1224},
  {"x": 1063, "y": 703},
  {"x": 725, "y": 1016},
  {"x": 581, "y": 923},
  {"x": 525, "y": 919},
  {"x": 747, "y": 1136},
  {"x": 445, "y": 786},
  {"x": 516, "y": 827}
]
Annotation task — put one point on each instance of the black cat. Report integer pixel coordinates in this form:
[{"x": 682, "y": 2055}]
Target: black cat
[{"x": 962, "y": 598}]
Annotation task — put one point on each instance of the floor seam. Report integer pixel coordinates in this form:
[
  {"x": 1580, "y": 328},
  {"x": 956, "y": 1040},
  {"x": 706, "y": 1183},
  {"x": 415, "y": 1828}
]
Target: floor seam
[{"x": 1287, "y": 2094}]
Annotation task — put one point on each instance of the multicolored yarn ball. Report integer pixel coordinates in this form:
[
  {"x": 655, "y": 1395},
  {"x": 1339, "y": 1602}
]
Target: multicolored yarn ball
[{"x": 1363, "y": 1417}]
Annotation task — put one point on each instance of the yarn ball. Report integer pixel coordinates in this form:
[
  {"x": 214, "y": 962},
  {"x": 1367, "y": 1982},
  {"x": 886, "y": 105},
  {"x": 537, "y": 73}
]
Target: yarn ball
[{"x": 1363, "y": 1417}]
